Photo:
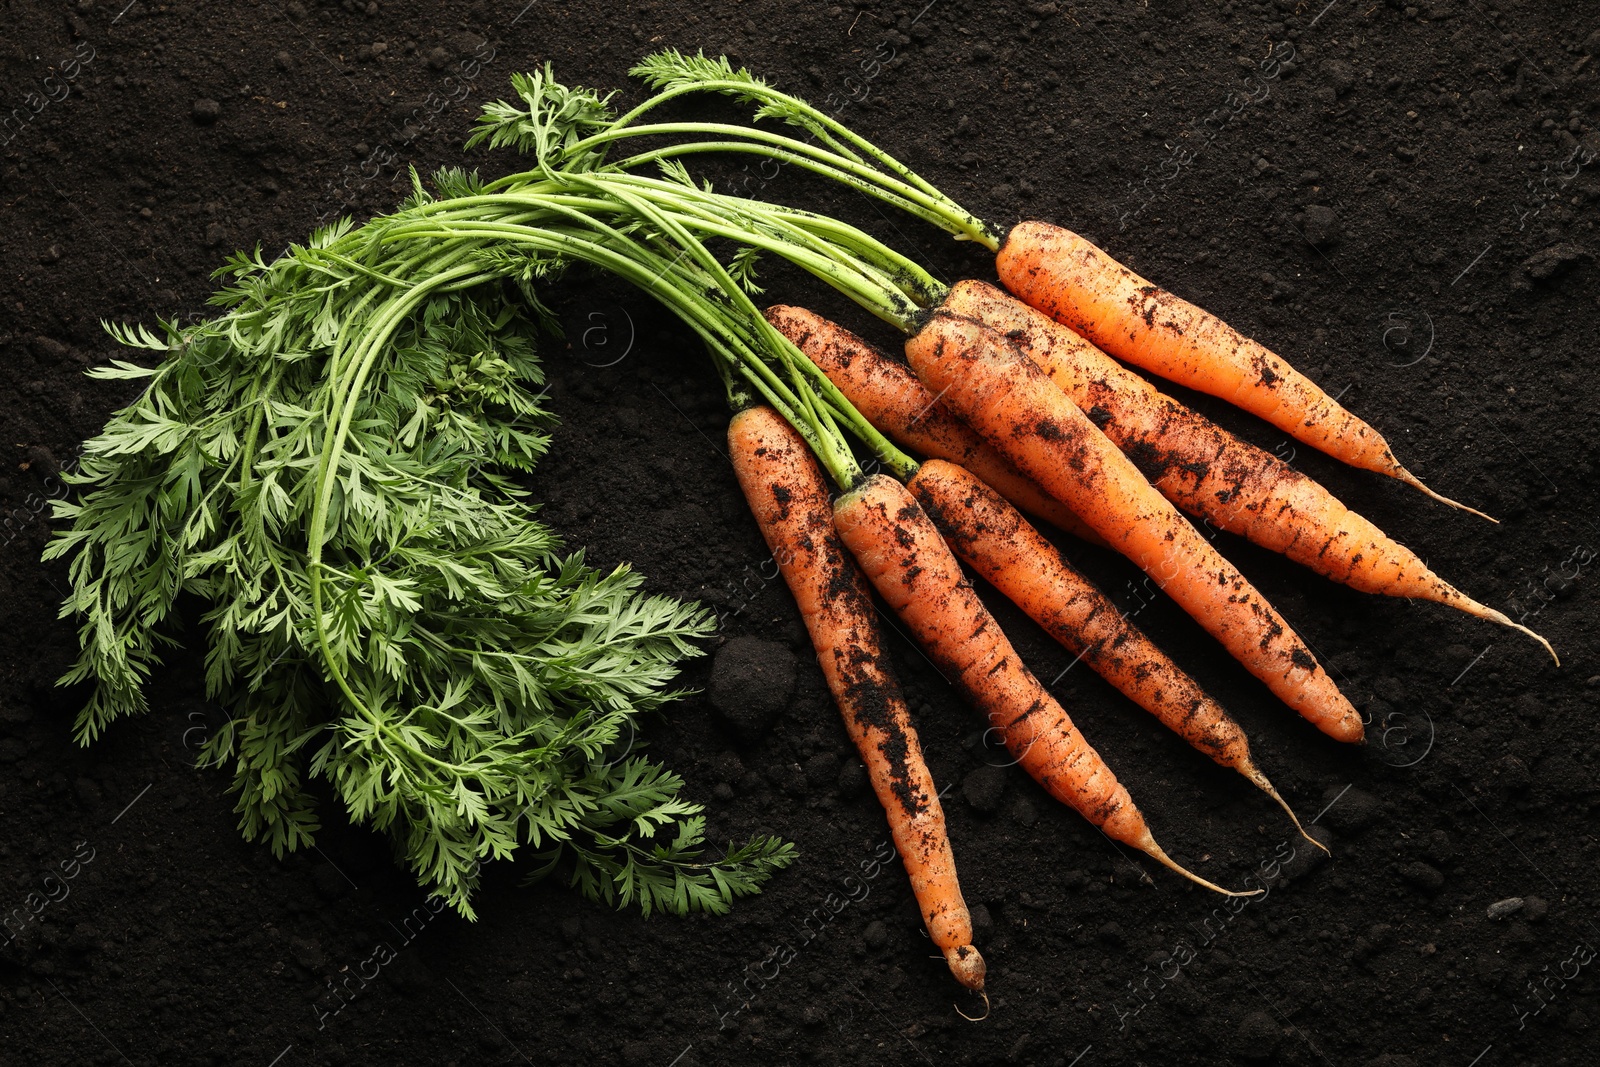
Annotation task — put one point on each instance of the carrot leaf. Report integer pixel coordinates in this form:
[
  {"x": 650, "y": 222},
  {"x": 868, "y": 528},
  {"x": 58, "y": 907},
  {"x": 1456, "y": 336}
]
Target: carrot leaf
[
  {"x": 549, "y": 117},
  {"x": 327, "y": 466}
]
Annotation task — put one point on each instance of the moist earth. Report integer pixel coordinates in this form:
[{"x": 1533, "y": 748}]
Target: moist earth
[{"x": 1398, "y": 198}]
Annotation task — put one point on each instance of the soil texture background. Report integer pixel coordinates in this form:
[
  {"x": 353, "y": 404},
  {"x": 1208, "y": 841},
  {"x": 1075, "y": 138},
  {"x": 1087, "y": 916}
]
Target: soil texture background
[{"x": 1399, "y": 198}]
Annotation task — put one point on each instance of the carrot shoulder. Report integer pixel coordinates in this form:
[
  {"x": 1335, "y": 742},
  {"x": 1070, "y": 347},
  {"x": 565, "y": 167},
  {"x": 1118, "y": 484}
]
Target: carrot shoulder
[
  {"x": 789, "y": 497},
  {"x": 1210, "y": 473},
  {"x": 891, "y": 398},
  {"x": 912, "y": 568},
  {"x": 1078, "y": 284},
  {"x": 986, "y": 379}
]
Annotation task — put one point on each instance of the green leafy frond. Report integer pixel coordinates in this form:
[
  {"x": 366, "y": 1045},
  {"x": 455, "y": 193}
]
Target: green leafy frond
[
  {"x": 666, "y": 875},
  {"x": 453, "y": 183},
  {"x": 674, "y": 170},
  {"x": 468, "y": 688},
  {"x": 742, "y": 268},
  {"x": 671, "y": 70},
  {"x": 548, "y": 118},
  {"x": 136, "y": 336},
  {"x": 419, "y": 197}
]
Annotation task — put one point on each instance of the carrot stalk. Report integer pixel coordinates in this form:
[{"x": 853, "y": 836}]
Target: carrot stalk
[
  {"x": 987, "y": 380},
  {"x": 789, "y": 498},
  {"x": 912, "y": 568},
  {"x": 997, "y": 542},
  {"x": 1078, "y": 284},
  {"x": 1209, "y": 472}
]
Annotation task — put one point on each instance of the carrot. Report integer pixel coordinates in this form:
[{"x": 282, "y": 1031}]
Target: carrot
[
  {"x": 990, "y": 535},
  {"x": 994, "y": 538},
  {"x": 989, "y": 382},
  {"x": 789, "y": 498},
  {"x": 912, "y": 568},
  {"x": 892, "y": 399},
  {"x": 1209, "y": 472},
  {"x": 1078, "y": 284}
]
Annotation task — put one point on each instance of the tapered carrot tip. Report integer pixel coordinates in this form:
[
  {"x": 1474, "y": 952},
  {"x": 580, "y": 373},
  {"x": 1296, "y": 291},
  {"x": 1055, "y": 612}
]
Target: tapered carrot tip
[
  {"x": 1255, "y": 775},
  {"x": 1156, "y": 853},
  {"x": 976, "y": 1018},
  {"x": 966, "y": 963},
  {"x": 1416, "y": 483},
  {"x": 1495, "y": 616},
  {"x": 1483, "y": 611}
]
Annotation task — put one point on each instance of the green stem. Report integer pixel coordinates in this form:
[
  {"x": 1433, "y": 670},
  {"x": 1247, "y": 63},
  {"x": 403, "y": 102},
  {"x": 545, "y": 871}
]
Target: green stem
[
  {"x": 827, "y": 236},
  {"x": 372, "y": 341},
  {"x": 933, "y": 208},
  {"x": 257, "y": 405},
  {"x": 654, "y": 274},
  {"x": 809, "y": 399},
  {"x": 666, "y": 95},
  {"x": 819, "y": 414},
  {"x": 796, "y": 111},
  {"x": 663, "y": 203},
  {"x": 739, "y": 397}
]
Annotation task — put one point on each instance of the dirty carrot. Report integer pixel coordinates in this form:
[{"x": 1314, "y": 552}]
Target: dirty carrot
[
  {"x": 1209, "y": 472},
  {"x": 908, "y": 562},
  {"x": 892, "y": 399},
  {"x": 788, "y": 495},
  {"x": 994, "y": 538},
  {"x": 988, "y": 381},
  {"x": 1078, "y": 284}
]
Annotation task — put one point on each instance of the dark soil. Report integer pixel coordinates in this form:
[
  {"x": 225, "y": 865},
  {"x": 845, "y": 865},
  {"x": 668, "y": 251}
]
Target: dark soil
[{"x": 1401, "y": 205}]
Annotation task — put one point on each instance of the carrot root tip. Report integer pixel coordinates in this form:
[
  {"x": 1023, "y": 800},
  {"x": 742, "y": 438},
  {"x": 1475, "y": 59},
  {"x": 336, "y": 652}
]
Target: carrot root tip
[
  {"x": 1485, "y": 612},
  {"x": 1254, "y": 774},
  {"x": 1416, "y": 483},
  {"x": 1158, "y": 854},
  {"x": 975, "y": 1018},
  {"x": 1547, "y": 646}
]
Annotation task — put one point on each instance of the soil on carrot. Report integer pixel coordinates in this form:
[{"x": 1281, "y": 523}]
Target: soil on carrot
[{"x": 1399, "y": 198}]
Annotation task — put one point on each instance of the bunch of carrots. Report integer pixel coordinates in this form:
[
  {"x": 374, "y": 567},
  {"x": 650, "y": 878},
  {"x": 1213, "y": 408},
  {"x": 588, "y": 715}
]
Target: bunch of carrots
[
  {"x": 1017, "y": 401},
  {"x": 1014, "y": 398}
]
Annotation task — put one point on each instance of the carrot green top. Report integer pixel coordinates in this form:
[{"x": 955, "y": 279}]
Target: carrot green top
[
  {"x": 572, "y": 129},
  {"x": 651, "y": 231}
]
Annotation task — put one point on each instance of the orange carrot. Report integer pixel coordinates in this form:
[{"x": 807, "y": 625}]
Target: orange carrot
[
  {"x": 787, "y": 493},
  {"x": 1078, "y": 284},
  {"x": 892, "y": 399},
  {"x": 912, "y": 568},
  {"x": 1209, "y": 472},
  {"x": 987, "y": 380},
  {"x": 994, "y": 538},
  {"x": 989, "y": 534}
]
